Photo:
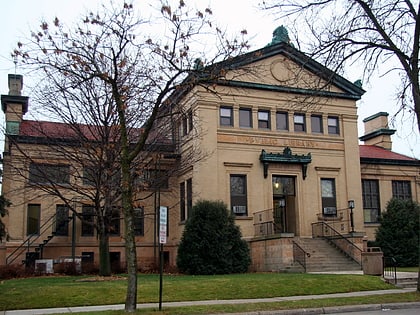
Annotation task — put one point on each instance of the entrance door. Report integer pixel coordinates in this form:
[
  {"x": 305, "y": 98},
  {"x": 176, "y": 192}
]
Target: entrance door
[
  {"x": 284, "y": 200},
  {"x": 279, "y": 214}
]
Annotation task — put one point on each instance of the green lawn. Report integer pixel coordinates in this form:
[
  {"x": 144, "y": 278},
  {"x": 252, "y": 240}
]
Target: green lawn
[{"x": 43, "y": 292}]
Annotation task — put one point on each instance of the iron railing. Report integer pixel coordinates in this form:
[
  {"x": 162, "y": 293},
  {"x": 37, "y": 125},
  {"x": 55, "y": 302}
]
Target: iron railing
[
  {"x": 390, "y": 269},
  {"x": 299, "y": 255},
  {"x": 45, "y": 230},
  {"x": 326, "y": 231}
]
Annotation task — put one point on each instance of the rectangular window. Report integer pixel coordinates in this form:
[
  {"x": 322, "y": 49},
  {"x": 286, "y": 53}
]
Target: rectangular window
[
  {"x": 189, "y": 197},
  {"x": 238, "y": 195},
  {"x": 370, "y": 194},
  {"x": 226, "y": 116},
  {"x": 49, "y": 173},
  {"x": 182, "y": 201},
  {"x": 114, "y": 226},
  {"x": 401, "y": 189},
  {"x": 328, "y": 194},
  {"x": 184, "y": 125},
  {"x": 157, "y": 178},
  {"x": 138, "y": 221},
  {"x": 282, "y": 121},
  {"x": 299, "y": 122},
  {"x": 62, "y": 220},
  {"x": 88, "y": 220},
  {"x": 190, "y": 120},
  {"x": 34, "y": 213},
  {"x": 316, "y": 123},
  {"x": 245, "y": 118},
  {"x": 333, "y": 127},
  {"x": 263, "y": 119}
]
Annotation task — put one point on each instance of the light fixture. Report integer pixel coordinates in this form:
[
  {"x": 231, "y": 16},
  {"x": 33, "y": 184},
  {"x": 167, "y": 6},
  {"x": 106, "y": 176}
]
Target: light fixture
[
  {"x": 276, "y": 185},
  {"x": 351, "y": 206}
]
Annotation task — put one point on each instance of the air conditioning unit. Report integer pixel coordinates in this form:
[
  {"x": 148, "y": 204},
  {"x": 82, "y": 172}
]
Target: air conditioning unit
[
  {"x": 239, "y": 209},
  {"x": 330, "y": 210}
]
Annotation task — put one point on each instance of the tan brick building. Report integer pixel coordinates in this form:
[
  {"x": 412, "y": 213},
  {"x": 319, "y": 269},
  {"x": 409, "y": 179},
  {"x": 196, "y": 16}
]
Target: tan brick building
[{"x": 278, "y": 143}]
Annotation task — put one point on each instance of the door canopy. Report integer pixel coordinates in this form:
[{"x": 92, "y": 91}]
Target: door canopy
[{"x": 285, "y": 157}]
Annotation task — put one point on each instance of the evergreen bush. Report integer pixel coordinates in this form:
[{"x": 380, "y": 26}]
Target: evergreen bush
[
  {"x": 398, "y": 234},
  {"x": 211, "y": 242}
]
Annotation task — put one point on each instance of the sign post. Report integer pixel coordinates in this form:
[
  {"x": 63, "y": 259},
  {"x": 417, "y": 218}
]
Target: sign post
[{"x": 163, "y": 221}]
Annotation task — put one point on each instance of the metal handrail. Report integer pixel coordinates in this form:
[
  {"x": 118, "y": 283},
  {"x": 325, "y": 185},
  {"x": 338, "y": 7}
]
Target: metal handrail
[
  {"x": 390, "y": 268},
  {"x": 299, "y": 255},
  {"x": 328, "y": 232},
  {"x": 44, "y": 228}
]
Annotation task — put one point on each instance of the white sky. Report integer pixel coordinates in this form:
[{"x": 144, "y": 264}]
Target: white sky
[{"x": 20, "y": 16}]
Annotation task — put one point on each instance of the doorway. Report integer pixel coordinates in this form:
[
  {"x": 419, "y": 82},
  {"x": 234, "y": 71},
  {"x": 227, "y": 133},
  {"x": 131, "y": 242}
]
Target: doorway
[{"x": 284, "y": 200}]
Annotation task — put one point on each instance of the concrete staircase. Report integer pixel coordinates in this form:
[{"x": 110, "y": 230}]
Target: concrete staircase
[{"x": 325, "y": 257}]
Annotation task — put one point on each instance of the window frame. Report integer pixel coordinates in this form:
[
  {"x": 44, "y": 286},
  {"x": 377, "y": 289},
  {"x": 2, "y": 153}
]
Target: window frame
[
  {"x": 247, "y": 123},
  {"x": 61, "y": 227},
  {"x": 301, "y": 125},
  {"x": 329, "y": 202},
  {"x": 138, "y": 221},
  {"x": 33, "y": 225},
  {"x": 279, "y": 121},
  {"x": 238, "y": 198},
  {"x": 264, "y": 123},
  {"x": 316, "y": 120},
  {"x": 226, "y": 120},
  {"x": 371, "y": 200},
  {"x": 333, "y": 130},
  {"x": 47, "y": 174},
  {"x": 88, "y": 216},
  {"x": 401, "y": 189}
]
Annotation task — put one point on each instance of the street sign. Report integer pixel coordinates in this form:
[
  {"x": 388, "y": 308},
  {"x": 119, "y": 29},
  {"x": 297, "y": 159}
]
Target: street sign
[{"x": 163, "y": 221}]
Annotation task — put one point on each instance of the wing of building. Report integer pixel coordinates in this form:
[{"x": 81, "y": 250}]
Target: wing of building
[{"x": 276, "y": 139}]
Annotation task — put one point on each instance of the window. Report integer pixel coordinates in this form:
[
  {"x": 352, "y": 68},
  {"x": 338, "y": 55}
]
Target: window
[
  {"x": 401, "y": 189},
  {"x": 49, "y": 174},
  {"x": 138, "y": 221},
  {"x": 189, "y": 197},
  {"x": 88, "y": 220},
  {"x": 263, "y": 119},
  {"x": 157, "y": 178},
  {"x": 316, "y": 123},
  {"x": 184, "y": 125},
  {"x": 328, "y": 195},
  {"x": 333, "y": 128},
  {"x": 114, "y": 226},
  {"x": 299, "y": 122},
  {"x": 34, "y": 212},
  {"x": 245, "y": 117},
  {"x": 62, "y": 220},
  {"x": 226, "y": 116},
  {"x": 182, "y": 201},
  {"x": 370, "y": 194},
  {"x": 89, "y": 176},
  {"x": 282, "y": 121},
  {"x": 238, "y": 195},
  {"x": 190, "y": 120}
]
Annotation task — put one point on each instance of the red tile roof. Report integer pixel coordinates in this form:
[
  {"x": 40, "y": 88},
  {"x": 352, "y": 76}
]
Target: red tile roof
[
  {"x": 55, "y": 130},
  {"x": 375, "y": 152}
]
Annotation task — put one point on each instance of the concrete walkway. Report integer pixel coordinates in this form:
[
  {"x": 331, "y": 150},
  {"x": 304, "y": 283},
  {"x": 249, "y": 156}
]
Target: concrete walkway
[{"x": 327, "y": 310}]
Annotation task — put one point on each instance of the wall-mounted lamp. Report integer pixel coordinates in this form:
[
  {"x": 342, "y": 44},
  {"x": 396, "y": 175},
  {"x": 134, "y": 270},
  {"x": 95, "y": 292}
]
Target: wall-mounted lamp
[
  {"x": 351, "y": 206},
  {"x": 276, "y": 185}
]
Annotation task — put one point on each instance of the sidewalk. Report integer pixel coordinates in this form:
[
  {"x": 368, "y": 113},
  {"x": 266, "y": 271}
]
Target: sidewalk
[{"x": 327, "y": 310}]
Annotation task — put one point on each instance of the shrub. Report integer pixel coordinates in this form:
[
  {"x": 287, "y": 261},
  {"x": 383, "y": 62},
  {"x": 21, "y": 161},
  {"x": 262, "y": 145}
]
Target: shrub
[
  {"x": 211, "y": 242},
  {"x": 398, "y": 234}
]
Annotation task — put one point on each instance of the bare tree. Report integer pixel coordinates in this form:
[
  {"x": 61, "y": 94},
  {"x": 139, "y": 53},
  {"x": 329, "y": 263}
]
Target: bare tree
[
  {"x": 133, "y": 75},
  {"x": 372, "y": 33}
]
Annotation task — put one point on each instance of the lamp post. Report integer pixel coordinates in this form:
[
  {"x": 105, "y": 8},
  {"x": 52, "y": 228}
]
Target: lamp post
[{"x": 351, "y": 206}]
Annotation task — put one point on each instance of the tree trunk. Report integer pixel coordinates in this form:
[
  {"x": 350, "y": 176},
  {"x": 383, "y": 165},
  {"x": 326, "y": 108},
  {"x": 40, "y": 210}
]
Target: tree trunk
[{"x": 104, "y": 257}]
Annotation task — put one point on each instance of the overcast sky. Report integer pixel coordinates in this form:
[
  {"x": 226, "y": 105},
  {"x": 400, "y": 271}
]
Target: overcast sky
[{"x": 20, "y": 16}]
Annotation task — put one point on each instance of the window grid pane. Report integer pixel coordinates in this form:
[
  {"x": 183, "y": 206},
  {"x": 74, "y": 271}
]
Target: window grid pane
[
  {"x": 371, "y": 206},
  {"x": 226, "y": 116},
  {"x": 263, "y": 119},
  {"x": 333, "y": 128},
  {"x": 316, "y": 123},
  {"x": 245, "y": 117},
  {"x": 238, "y": 195},
  {"x": 282, "y": 121},
  {"x": 299, "y": 122}
]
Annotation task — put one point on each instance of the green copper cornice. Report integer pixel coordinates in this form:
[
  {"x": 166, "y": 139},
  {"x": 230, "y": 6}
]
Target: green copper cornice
[{"x": 285, "y": 157}]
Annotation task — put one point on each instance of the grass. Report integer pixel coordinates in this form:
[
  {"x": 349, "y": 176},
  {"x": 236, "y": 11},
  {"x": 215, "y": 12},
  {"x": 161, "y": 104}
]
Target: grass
[{"x": 46, "y": 292}]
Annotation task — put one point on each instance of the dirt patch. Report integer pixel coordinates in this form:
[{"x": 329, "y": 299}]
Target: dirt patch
[{"x": 101, "y": 278}]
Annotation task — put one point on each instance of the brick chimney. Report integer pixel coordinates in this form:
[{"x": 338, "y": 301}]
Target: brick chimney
[
  {"x": 14, "y": 105},
  {"x": 377, "y": 131}
]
